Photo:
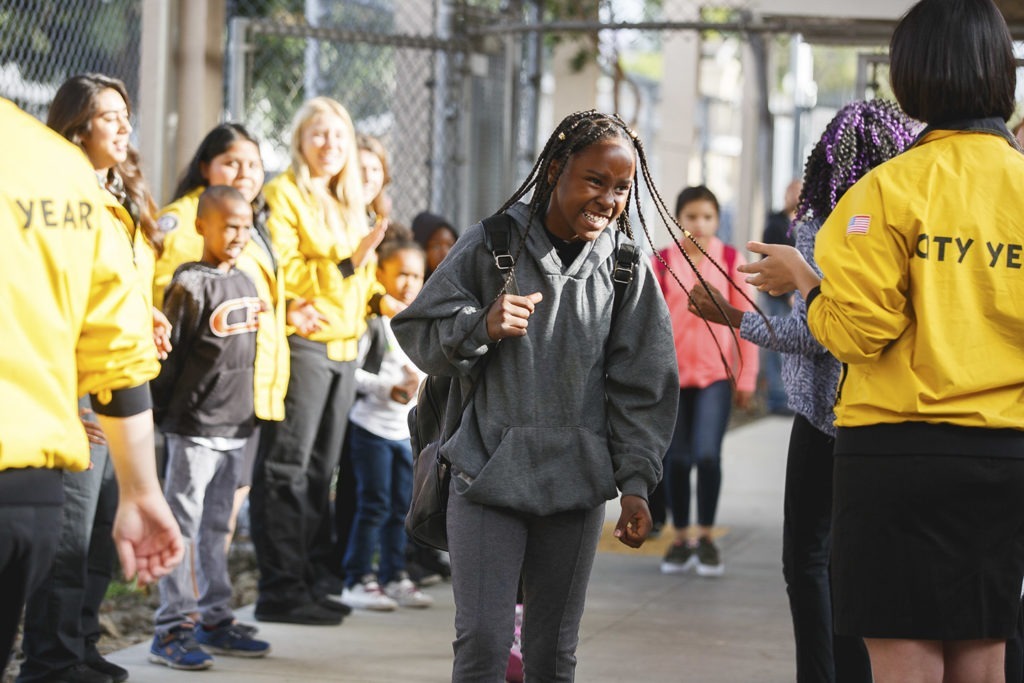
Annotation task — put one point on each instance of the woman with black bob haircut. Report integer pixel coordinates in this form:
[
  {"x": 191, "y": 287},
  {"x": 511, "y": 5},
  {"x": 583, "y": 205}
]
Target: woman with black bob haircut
[
  {"x": 921, "y": 299},
  {"x": 951, "y": 61}
]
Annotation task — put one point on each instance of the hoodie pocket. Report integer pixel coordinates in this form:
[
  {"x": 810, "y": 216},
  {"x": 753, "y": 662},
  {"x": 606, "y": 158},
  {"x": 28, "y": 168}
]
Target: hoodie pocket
[{"x": 543, "y": 470}]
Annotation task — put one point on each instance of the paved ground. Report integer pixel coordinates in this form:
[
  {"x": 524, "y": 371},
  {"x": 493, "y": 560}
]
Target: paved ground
[{"x": 639, "y": 625}]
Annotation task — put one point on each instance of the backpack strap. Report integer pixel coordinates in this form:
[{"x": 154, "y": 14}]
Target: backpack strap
[
  {"x": 627, "y": 256},
  {"x": 498, "y": 240},
  {"x": 729, "y": 258}
]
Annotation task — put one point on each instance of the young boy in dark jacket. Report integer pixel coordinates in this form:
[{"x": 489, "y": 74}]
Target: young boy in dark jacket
[{"x": 204, "y": 405}]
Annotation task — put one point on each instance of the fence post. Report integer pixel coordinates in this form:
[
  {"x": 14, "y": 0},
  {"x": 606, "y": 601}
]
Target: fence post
[
  {"x": 238, "y": 27},
  {"x": 439, "y": 139}
]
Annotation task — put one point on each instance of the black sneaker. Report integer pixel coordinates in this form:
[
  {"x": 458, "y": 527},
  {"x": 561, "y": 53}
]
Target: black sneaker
[
  {"x": 679, "y": 559},
  {"x": 334, "y": 603},
  {"x": 421, "y": 575},
  {"x": 309, "y": 613},
  {"x": 95, "y": 661},
  {"x": 79, "y": 673},
  {"x": 709, "y": 561},
  {"x": 430, "y": 560}
]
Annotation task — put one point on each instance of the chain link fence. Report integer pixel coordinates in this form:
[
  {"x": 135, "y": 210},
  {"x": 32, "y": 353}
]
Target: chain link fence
[
  {"x": 451, "y": 87},
  {"x": 43, "y": 42},
  {"x": 407, "y": 74}
]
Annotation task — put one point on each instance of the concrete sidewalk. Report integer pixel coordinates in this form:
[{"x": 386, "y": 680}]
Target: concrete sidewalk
[{"x": 639, "y": 625}]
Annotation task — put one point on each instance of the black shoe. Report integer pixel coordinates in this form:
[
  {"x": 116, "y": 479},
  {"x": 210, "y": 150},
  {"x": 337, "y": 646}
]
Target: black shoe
[
  {"x": 422, "y": 576},
  {"x": 432, "y": 562},
  {"x": 79, "y": 673},
  {"x": 309, "y": 613},
  {"x": 335, "y": 605},
  {"x": 95, "y": 661},
  {"x": 328, "y": 585}
]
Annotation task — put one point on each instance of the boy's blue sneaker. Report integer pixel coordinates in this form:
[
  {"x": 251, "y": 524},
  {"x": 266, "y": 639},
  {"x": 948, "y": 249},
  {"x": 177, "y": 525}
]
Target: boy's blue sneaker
[
  {"x": 179, "y": 649},
  {"x": 229, "y": 638}
]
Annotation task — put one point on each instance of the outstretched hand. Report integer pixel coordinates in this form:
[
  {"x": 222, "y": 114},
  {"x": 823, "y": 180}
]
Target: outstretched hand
[
  {"x": 147, "y": 536},
  {"x": 509, "y": 315},
  {"x": 703, "y": 304},
  {"x": 635, "y": 521},
  {"x": 782, "y": 270}
]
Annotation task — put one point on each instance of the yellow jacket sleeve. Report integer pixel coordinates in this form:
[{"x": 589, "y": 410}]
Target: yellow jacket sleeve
[{"x": 863, "y": 302}]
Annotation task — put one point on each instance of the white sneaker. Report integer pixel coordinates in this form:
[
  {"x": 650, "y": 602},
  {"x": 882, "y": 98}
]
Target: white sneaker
[
  {"x": 406, "y": 594},
  {"x": 367, "y": 594}
]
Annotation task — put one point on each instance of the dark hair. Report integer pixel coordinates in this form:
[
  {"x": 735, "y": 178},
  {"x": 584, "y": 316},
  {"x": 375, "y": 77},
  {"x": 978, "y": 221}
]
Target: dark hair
[
  {"x": 71, "y": 114},
  {"x": 215, "y": 197},
  {"x": 425, "y": 224},
  {"x": 216, "y": 142},
  {"x": 388, "y": 249},
  {"x": 861, "y": 135},
  {"x": 696, "y": 193},
  {"x": 575, "y": 133},
  {"x": 952, "y": 60},
  {"x": 396, "y": 232}
]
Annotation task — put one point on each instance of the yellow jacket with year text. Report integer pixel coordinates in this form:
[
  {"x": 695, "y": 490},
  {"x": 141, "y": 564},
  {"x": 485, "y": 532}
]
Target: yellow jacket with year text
[
  {"x": 182, "y": 244},
  {"x": 923, "y": 289},
  {"x": 72, "y": 320},
  {"x": 310, "y": 256}
]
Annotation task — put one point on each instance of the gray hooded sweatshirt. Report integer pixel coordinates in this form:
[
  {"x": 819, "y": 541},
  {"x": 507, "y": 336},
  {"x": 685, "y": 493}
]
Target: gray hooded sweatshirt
[{"x": 571, "y": 411}]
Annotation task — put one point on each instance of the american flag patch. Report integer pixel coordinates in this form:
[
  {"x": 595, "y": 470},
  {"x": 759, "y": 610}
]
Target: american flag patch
[{"x": 858, "y": 225}]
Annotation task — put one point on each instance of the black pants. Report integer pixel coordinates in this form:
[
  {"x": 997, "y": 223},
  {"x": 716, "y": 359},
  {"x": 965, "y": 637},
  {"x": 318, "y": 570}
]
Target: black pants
[
  {"x": 62, "y": 614},
  {"x": 821, "y": 656},
  {"x": 290, "y": 497},
  {"x": 28, "y": 542}
]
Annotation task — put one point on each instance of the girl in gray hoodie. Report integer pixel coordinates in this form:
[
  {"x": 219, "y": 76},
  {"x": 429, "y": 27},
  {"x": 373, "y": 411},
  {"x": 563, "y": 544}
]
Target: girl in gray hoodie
[{"x": 576, "y": 401}]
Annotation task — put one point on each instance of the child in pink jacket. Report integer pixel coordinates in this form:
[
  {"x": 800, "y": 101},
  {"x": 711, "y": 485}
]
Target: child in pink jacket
[{"x": 705, "y": 391}]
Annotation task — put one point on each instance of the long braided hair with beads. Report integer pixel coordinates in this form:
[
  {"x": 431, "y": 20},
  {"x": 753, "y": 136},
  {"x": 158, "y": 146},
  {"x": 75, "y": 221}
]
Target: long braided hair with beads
[
  {"x": 578, "y": 131},
  {"x": 862, "y": 135}
]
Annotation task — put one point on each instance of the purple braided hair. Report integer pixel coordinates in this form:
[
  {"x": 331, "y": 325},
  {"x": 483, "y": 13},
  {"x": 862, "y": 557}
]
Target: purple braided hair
[{"x": 861, "y": 135}]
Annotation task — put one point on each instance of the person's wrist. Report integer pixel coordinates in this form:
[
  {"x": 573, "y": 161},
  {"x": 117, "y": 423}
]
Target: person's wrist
[{"x": 808, "y": 280}]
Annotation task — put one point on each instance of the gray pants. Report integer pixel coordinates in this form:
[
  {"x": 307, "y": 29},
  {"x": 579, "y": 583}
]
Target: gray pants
[
  {"x": 200, "y": 489},
  {"x": 490, "y": 547}
]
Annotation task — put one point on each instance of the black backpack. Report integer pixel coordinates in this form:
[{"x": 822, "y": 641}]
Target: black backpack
[{"x": 426, "y": 521}]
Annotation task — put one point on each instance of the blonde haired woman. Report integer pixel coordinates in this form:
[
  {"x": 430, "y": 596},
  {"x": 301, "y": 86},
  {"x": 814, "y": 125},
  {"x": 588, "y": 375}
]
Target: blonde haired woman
[{"x": 318, "y": 226}]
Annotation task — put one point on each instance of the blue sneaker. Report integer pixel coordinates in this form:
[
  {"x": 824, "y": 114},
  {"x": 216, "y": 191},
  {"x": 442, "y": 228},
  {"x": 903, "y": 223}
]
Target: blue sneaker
[
  {"x": 178, "y": 649},
  {"x": 229, "y": 638}
]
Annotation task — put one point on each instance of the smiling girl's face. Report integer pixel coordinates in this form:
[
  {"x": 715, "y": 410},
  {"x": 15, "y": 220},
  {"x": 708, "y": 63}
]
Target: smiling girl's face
[
  {"x": 324, "y": 145},
  {"x": 106, "y": 143},
  {"x": 239, "y": 166},
  {"x": 592, "y": 190}
]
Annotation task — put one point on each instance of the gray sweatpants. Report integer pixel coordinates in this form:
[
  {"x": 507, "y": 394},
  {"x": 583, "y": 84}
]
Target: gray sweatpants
[
  {"x": 488, "y": 547},
  {"x": 200, "y": 489}
]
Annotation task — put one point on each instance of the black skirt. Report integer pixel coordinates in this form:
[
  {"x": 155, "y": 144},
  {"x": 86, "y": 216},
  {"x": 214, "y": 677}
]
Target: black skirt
[{"x": 927, "y": 547}]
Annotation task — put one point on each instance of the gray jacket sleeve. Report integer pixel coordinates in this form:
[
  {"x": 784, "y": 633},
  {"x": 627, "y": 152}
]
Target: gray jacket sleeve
[
  {"x": 444, "y": 330},
  {"x": 642, "y": 386}
]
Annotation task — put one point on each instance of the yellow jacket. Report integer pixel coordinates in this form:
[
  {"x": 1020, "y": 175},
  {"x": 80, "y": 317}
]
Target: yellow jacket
[
  {"x": 923, "y": 289},
  {"x": 72, "y": 321},
  {"x": 182, "y": 244},
  {"x": 310, "y": 256},
  {"x": 143, "y": 255}
]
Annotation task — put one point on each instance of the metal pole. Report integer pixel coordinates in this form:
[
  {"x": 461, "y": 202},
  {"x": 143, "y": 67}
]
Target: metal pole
[
  {"x": 439, "y": 143},
  {"x": 237, "y": 29},
  {"x": 530, "y": 94},
  {"x": 312, "y": 54}
]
